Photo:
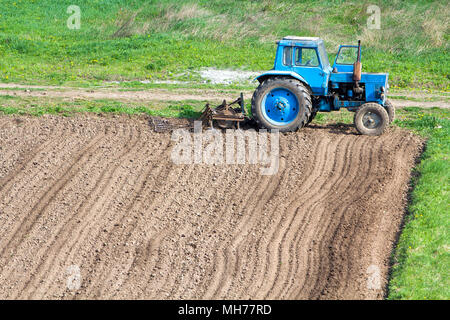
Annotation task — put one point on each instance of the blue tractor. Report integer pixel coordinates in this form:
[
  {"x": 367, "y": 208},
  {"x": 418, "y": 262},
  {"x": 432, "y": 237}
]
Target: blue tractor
[{"x": 303, "y": 83}]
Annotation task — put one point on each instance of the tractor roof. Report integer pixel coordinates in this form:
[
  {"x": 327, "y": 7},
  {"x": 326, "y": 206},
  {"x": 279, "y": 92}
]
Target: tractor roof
[
  {"x": 294, "y": 40},
  {"x": 301, "y": 38}
]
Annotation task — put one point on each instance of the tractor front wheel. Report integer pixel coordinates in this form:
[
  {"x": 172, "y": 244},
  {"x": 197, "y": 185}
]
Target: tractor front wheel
[
  {"x": 281, "y": 103},
  {"x": 371, "y": 119}
]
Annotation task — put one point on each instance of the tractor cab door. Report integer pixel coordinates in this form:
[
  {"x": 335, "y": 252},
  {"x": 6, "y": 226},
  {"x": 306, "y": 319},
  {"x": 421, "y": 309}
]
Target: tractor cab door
[
  {"x": 345, "y": 58},
  {"x": 307, "y": 63}
]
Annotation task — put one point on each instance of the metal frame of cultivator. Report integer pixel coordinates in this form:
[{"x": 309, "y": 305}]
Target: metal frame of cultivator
[{"x": 224, "y": 115}]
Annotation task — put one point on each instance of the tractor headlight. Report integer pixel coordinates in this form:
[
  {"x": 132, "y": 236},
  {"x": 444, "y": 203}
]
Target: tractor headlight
[{"x": 382, "y": 89}]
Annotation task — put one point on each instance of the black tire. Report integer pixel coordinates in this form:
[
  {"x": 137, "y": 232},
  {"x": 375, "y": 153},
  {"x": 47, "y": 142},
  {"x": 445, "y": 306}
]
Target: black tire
[
  {"x": 296, "y": 87},
  {"x": 390, "y": 110},
  {"x": 311, "y": 117},
  {"x": 371, "y": 119}
]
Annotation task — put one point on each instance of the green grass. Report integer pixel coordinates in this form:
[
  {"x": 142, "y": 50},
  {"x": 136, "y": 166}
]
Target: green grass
[
  {"x": 36, "y": 106},
  {"x": 136, "y": 40},
  {"x": 421, "y": 99}
]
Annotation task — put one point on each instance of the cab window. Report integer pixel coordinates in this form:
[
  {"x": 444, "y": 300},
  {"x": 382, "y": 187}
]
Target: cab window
[
  {"x": 287, "y": 56},
  {"x": 347, "y": 55},
  {"x": 306, "y": 57}
]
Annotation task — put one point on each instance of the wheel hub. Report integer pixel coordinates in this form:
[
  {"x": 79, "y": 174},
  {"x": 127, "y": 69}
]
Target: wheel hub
[
  {"x": 280, "y": 106},
  {"x": 371, "y": 120}
]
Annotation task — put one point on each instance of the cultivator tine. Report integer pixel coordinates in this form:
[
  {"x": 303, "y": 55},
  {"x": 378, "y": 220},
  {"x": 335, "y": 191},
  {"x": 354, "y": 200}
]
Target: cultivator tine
[
  {"x": 224, "y": 115},
  {"x": 207, "y": 116},
  {"x": 241, "y": 103}
]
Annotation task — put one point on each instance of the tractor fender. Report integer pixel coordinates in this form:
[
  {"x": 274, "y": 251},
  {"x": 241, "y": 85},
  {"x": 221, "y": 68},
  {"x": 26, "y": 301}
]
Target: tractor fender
[{"x": 274, "y": 73}]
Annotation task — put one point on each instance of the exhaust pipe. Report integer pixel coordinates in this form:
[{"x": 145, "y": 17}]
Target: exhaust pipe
[{"x": 357, "y": 66}]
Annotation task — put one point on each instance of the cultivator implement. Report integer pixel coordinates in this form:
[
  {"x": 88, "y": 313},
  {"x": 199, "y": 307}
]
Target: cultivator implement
[{"x": 225, "y": 115}]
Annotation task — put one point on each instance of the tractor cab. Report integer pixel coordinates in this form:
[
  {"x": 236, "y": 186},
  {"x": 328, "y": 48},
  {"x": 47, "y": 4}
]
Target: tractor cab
[{"x": 306, "y": 57}]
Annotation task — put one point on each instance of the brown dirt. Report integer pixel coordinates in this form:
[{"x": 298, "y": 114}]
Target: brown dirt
[{"x": 102, "y": 193}]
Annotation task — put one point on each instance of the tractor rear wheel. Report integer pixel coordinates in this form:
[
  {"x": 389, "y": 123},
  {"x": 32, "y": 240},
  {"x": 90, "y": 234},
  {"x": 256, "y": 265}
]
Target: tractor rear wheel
[
  {"x": 371, "y": 119},
  {"x": 281, "y": 103},
  {"x": 390, "y": 110},
  {"x": 312, "y": 116}
]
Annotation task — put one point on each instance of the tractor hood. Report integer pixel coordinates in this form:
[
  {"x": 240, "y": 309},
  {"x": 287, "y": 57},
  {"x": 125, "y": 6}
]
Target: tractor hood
[
  {"x": 376, "y": 84},
  {"x": 376, "y": 78}
]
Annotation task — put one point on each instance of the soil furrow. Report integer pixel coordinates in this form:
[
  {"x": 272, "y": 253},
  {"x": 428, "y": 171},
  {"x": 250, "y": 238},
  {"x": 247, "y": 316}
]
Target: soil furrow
[
  {"x": 313, "y": 208},
  {"x": 80, "y": 222},
  {"x": 25, "y": 226},
  {"x": 293, "y": 211},
  {"x": 102, "y": 193},
  {"x": 328, "y": 215}
]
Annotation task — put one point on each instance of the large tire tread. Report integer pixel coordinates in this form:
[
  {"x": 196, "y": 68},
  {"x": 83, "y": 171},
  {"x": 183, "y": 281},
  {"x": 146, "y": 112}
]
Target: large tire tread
[
  {"x": 374, "y": 108},
  {"x": 305, "y": 105}
]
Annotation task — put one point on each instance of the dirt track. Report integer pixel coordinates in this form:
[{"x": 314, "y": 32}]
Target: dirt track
[
  {"x": 181, "y": 94},
  {"x": 103, "y": 194}
]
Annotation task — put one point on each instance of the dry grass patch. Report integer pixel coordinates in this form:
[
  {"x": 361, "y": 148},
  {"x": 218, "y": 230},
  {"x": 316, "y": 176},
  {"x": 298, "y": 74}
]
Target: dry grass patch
[{"x": 187, "y": 11}]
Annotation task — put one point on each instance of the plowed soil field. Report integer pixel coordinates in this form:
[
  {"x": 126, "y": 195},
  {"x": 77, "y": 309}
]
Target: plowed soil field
[{"x": 94, "y": 207}]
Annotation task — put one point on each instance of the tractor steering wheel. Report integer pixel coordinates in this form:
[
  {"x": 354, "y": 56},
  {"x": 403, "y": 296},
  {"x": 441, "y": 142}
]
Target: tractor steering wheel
[{"x": 308, "y": 63}]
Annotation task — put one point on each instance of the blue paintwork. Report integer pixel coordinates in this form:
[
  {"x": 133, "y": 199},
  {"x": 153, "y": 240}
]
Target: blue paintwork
[
  {"x": 328, "y": 104},
  {"x": 272, "y": 73},
  {"x": 320, "y": 79},
  {"x": 325, "y": 104},
  {"x": 280, "y": 106},
  {"x": 373, "y": 83},
  {"x": 379, "y": 78}
]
